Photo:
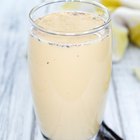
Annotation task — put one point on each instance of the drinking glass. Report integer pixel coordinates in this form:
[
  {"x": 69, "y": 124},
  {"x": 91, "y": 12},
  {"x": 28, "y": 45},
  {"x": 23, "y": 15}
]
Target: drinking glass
[{"x": 70, "y": 66}]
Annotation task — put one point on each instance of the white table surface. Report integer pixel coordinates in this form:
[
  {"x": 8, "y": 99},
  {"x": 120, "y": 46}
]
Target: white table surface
[{"x": 17, "y": 119}]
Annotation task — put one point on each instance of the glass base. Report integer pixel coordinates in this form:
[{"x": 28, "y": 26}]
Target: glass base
[
  {"x": 46, "y": 138},
  {"x": 105, "y": 133}
]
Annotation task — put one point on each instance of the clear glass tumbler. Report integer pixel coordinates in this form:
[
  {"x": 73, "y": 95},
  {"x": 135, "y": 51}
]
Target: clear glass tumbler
[{"x": 70, "y": 67}]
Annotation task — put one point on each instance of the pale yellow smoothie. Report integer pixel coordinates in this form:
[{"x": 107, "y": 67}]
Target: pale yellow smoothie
[{"x": 69, "y": 75}]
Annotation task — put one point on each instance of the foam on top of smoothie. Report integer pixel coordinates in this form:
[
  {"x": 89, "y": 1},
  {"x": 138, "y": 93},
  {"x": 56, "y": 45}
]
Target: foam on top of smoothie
[{"x": 70, "y": 22}]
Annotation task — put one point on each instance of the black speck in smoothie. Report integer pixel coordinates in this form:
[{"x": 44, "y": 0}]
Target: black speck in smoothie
[
  {"x": 48, "y": 62},
  {"x": 77, "y": 55},
  {"x": 94, "y": 18},
  {"x": 81, "y": 13},
  {"x": 38, "y": 39},
  {"x": 50, "y": 43},
  {"x": 75, "y": 13},
  {"x": 107, "y": 35}
]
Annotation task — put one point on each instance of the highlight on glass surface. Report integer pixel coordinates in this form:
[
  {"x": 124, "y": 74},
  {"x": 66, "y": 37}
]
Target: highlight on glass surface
[{"x": 70, "y": 67}]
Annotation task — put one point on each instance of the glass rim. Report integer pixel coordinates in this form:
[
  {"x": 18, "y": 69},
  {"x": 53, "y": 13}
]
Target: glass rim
[{"x": 91, "y": 31}]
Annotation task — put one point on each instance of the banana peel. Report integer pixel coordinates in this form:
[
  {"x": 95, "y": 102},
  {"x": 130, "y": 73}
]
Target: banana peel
[
  {"x": 120, "y": 41},
  {"x": 111, "y": 4},
  {"x": 135, "y": 35},
  {"x": 136, "y": 72}
]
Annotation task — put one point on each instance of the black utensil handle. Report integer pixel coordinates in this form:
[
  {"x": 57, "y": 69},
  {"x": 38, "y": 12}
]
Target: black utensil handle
[{"x": 105, "y": 133}]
